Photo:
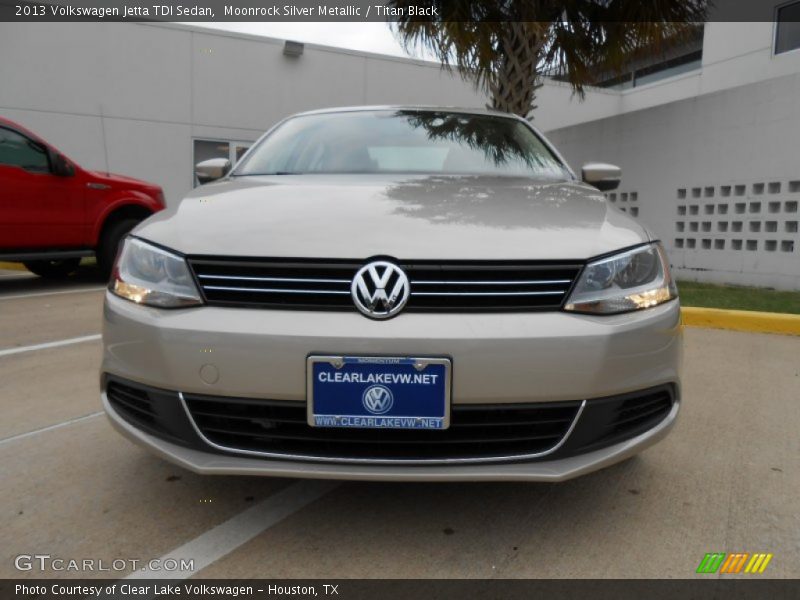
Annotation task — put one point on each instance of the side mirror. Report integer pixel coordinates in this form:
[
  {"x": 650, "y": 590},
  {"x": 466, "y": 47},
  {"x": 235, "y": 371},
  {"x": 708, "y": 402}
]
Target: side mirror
[
  {"x": 602, "y": 176},
  {"x": 60, "y": 165},
  {"x": 212, "y": 169}
]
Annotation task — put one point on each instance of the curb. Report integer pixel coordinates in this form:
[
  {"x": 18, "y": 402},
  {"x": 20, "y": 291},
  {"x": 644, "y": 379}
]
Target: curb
[
  {"x": 12, "y": 266},
  {"x": 741, "y": 320}
]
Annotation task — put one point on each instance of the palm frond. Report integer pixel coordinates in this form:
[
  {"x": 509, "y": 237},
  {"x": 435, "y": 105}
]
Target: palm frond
[{"x": 503, "y": 47}]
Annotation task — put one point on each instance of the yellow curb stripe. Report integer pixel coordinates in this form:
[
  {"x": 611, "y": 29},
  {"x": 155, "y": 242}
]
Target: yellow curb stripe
[
  {"x": 741, "y": 320},
  {"x": 12, "y": 266}
]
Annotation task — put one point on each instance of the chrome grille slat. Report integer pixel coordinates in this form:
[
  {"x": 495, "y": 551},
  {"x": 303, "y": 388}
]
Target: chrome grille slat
[
  {"x": 287, "y": 279},
  {"x": 272, "y": 290},
  {"x": 435, "y": 286},
  {"x": 542, "y": 282},
  {"x": 485, "y": 293}
]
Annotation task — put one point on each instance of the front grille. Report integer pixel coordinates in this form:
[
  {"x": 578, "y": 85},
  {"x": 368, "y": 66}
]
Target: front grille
[
  {"x": 614, "y": 419},
  {"x": 154, "y": 410},
  {"x": 435, "y": 285},
  {"x": 133, "y": 403},
  {"x": 476, "y": 431},
  {"x": 640, "y": 413}
]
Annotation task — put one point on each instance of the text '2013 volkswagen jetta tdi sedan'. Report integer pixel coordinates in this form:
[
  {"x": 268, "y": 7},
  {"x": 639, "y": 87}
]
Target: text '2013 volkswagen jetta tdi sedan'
[{"x": 394, "y": 293}]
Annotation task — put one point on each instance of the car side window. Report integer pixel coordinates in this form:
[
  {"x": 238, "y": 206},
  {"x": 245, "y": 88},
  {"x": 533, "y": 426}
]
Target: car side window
[{"x": 18, "y": 151}]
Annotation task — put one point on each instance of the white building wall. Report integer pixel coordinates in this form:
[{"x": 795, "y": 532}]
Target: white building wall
[
  {"x": 709, "y": 158},
  {"x": 716, "y": 177},
  {"x": 734, "y": 54},
  {"x": 558, "y": 106}
]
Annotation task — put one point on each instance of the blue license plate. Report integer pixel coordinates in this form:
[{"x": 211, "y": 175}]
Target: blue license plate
[{"x": 378, "y": 392}]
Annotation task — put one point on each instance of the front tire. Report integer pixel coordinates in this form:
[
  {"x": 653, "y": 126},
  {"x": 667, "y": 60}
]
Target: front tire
[
  {"x": 53, "y": 269},
  {"x": 109, "y": 244}
]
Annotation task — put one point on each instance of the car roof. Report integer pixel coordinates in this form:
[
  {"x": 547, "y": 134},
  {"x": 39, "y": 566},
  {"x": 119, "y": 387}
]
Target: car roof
[
  {"x": 9, "y": 123},
  {"x": 413, "y": 107},
  {"x": 16, "y": 126}
]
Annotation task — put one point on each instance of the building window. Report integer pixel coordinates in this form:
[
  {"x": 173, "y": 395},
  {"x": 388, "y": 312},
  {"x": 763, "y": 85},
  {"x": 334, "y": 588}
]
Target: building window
[
  {"x": 205, "y": 149},
  {"x": 787, "y": 34}
]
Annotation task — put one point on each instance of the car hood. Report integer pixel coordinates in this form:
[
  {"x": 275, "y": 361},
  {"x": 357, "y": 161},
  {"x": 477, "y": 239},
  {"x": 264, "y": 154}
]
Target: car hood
[{"x": 411, "y": 217}]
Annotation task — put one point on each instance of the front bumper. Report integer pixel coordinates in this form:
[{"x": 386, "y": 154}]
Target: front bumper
[
  {"x": 210, "y": 463},
  {"x": 497, "y": 359}
]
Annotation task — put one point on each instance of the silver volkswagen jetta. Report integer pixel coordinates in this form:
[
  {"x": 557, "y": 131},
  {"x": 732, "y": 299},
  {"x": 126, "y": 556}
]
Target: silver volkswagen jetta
[{"x": 394, "y": 293}]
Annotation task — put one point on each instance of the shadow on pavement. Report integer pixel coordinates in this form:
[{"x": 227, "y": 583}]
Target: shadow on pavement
[{"x": 23, "y": 282}]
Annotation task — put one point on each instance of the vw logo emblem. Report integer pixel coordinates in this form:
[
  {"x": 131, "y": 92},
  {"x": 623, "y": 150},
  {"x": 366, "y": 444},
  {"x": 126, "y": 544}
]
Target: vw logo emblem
[
  {"x": 380, "y": 289},
  {"x": 377, "y": 399}
]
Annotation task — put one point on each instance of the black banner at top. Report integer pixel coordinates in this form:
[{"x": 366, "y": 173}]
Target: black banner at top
[{"x": 369, "y": 10}]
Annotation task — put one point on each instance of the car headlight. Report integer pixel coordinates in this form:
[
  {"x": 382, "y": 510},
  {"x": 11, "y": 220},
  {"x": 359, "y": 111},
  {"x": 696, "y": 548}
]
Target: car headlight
[
  {"x": 631, "y": 280},
  {"x": 149, "y": 275}
]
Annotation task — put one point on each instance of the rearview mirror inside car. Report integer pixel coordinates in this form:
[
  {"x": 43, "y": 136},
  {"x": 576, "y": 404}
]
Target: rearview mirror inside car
[{"x": 601, "y": 175}]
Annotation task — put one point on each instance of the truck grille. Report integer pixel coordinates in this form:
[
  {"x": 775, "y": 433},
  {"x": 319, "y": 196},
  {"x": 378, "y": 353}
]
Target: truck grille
[
  {"x": 476, "y": 431},
  {"x": 455, "y": 286}
]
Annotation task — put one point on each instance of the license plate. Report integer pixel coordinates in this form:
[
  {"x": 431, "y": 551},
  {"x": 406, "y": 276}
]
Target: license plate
[{"x": 378, "y": 392}]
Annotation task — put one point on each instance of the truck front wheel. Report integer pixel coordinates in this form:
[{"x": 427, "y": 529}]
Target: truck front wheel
[
  {"x": 110, "y": 241},
  {"x": 53, "y": 269}
]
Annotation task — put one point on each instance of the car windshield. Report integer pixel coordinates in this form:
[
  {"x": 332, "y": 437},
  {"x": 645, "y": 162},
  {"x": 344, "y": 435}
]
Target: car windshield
[{"x": 403, "y": 141}]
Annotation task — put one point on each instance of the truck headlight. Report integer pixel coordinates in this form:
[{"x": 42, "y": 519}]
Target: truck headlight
[
  {"x": 631, "y": 280},
  {"x": 148, "y": 275}
]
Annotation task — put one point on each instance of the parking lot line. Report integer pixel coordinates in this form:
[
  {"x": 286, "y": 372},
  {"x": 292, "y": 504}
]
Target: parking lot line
[
  {"x": 56, "y": 344},
  {"x": 20, "y": 436},
  {"x": 57, "y": 293},
  {"x": 226, "y": 537}
]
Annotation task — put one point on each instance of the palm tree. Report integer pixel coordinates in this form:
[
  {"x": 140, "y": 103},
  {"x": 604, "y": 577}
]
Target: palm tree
[{"x": 505, "y": 46}]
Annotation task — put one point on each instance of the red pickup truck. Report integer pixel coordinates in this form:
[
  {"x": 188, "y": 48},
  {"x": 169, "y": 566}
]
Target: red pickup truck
[{"x": 53, "y": 212}]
